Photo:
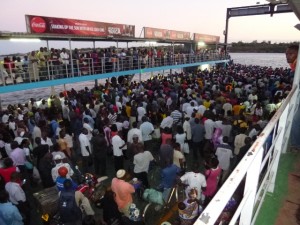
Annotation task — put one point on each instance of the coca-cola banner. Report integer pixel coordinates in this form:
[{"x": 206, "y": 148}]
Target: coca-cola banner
[
  {"x": 155, "y": 33},
  {"x": 50, "y": 25},
  {"x": 206, "y": 38}
]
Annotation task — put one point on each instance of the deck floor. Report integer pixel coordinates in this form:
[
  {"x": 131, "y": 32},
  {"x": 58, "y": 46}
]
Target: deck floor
[{"x": 283, "y": 206}]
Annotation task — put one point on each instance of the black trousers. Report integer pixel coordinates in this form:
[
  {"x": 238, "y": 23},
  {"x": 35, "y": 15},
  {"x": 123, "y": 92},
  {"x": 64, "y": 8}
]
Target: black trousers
[
  {"x": 143, "y": 176},
  {"x": 197, "y": 149},
  {"x": 86, "y": 168},
  {"x": 100, "y": 166},
  {"x": 119, "y": 162}
]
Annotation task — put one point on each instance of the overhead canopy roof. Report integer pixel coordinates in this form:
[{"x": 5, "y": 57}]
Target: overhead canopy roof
[
  {"x": 57, "y": 37},
  {"x": 295, "y": 5}
]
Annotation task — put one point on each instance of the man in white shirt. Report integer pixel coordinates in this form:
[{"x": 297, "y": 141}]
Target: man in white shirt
[
  {"x": 58, "y": 159},
  {"x": 64, "y": 57},
  {"x": 194, "y": 179},
  {"x": 119, "y": 106},
  {"x": 118, "y": 144},
  {"x": 224, "y": 154},
  {"x": 147, "y": 130},
  {"x": 45, "y": 140},
  {"x": 88, "y": 127},
  {"x": 134, "y": 131},
  {"x": 15, "y": 191},
  {"x": 86, "y": 151},
  {"x": 17, "y": 196},
  {"x": 201, "y": 109},
  {"x": 227, "y": 107},
  {"x": 141, "y": 163},
  {"x": 167, "y": 122},
  {"x": 190, "y": 109},
  {"x": 5, "y": 117},
  {"x": 36, "y": 132},
  {"x": 141, "y": 112},
  {"x": 209, "y": 126},
  {"x": 184, "y": 106}
]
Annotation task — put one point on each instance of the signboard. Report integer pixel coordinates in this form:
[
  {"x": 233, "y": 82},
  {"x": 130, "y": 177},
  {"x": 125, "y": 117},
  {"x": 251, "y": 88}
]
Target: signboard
[
  {"x": 206, "y": 38},
  {"x": 155, "y": 33},
  {"x": 51, "y": 25}
]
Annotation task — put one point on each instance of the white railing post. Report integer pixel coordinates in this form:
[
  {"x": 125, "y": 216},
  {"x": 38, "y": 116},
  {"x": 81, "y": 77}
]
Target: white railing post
[
  {"x": 251, "y": 187},
  {"x": 93, "y": 69},
  {"x": 293, "y": 106},
  {"x": 278, "y": 148}
]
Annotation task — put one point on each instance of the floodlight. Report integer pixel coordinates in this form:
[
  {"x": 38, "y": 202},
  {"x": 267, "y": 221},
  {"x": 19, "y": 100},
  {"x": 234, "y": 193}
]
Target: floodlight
[
  {"x": 201, "y": 43},
  {"x": 25, "y": 40}
]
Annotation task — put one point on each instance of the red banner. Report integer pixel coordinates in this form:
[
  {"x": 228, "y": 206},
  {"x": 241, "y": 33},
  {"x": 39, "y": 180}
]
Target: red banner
[
  {"x": 206, "y": 38},
  {"x": 50, "y": 25},
  {"x": 155, "y": 33}
]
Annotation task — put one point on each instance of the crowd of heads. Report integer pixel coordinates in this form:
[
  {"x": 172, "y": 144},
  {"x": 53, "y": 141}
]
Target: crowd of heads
[{"x": 243, "y": 97}]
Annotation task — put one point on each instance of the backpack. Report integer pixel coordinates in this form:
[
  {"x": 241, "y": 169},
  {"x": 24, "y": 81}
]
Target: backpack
[
  {"x": 236, "y": 128},
  {"x": 68, "y": 209}
]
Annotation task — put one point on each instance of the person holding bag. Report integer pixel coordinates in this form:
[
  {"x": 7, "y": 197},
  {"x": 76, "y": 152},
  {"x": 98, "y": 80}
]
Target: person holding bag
[
  {"x": 190, "y": 208},
  {"x": 85, "y": 146}
]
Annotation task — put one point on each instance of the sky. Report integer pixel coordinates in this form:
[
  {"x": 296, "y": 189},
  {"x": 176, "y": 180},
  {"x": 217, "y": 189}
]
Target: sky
[{"x": 194, "y": 16}]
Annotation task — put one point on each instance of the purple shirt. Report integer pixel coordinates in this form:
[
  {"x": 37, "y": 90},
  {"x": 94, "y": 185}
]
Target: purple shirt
[{"x": 18, "y": 156}]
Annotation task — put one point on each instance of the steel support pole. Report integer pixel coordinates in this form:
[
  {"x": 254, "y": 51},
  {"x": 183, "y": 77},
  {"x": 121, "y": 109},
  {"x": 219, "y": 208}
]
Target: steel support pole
[
  {"x": 71, "y": 58},
  {"x": 226, "y": 30},
  {"x": 94, "y": 47}
]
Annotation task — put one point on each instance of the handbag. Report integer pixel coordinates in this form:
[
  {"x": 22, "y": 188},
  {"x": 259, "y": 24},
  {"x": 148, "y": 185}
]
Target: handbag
[
  {"x": 186, "y": 148},
  {"x": 28, "y": 165}
]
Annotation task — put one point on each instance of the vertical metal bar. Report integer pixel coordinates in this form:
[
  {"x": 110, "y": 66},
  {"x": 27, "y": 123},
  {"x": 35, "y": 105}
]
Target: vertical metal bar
[
  {"x": 48, "y": 68},
  {"x": 78, "y": 69},
  {"x": 173, "y": 54},
  {"x": 67, "y": 71},
  {"x": 71, "y": 59},
  {"x": 90, "y": 61},
  {"x": 251, "y": 187},
  {"x": 102, "y": 64},
  {"x": 278, "y": 148},
  {"x": 142, "y": 31},
  {"x": 226, "y": 30},
  {"x": 93, "y": 69}
]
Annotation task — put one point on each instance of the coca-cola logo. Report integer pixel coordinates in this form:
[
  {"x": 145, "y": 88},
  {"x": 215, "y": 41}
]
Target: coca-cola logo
[{"x": 38, "y": 25}]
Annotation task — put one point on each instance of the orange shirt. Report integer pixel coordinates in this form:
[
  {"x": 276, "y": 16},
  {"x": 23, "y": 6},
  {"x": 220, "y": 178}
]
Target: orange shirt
[
  {"x": 123, "y": 191},
  {"x": 236, "y": 109}
]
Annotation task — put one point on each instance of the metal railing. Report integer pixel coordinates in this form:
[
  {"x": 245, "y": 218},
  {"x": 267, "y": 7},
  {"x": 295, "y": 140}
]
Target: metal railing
[
  {"x": 255, "y": 175},
  {"x": 55, "y": 69}
]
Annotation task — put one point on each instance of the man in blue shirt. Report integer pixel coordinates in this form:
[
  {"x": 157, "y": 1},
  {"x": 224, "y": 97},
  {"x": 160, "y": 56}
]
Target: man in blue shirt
[
  {"x": 168, "y": 178},
  {"x": 62, "y": 171},
  {"x": 9, "y": 214}
]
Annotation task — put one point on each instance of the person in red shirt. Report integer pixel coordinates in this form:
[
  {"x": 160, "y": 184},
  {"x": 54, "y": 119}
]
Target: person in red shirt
[{"x": 8, "y": 169}]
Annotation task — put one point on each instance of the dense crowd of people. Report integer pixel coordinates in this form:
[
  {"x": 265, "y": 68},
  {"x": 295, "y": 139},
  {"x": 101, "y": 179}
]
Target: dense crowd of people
[
  {"x": 57, "y": 63},
  {"x": 195, "y": 127}
]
